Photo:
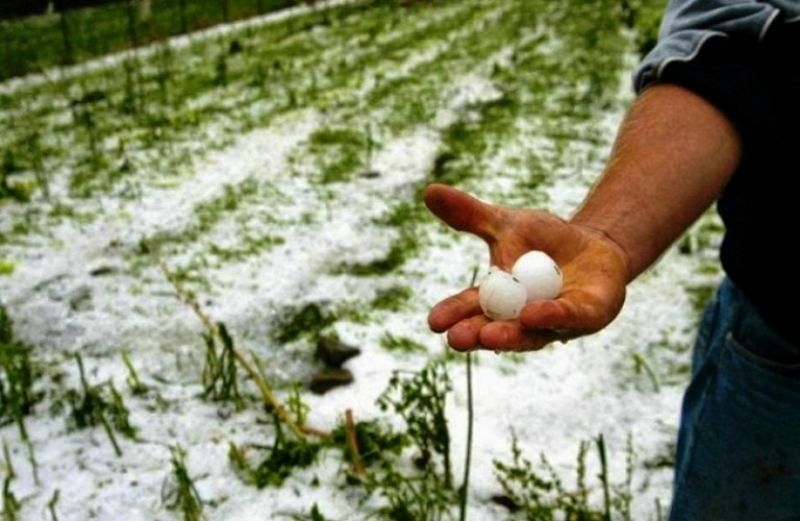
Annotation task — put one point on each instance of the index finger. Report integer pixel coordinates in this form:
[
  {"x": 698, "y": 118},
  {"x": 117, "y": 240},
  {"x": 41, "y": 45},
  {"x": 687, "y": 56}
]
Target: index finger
[{"x": 461, "y": 211}]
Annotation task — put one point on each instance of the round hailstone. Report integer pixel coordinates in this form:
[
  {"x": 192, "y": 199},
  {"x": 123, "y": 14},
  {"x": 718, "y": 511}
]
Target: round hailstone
[
  {"x": 501, "y": 296},
  {"x": 539, "y": 274}
]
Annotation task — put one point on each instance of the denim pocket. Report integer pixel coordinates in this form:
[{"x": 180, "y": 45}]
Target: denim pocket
[
  {"x": 762, "y": 356},
  {"x": 756, "y": 342}
]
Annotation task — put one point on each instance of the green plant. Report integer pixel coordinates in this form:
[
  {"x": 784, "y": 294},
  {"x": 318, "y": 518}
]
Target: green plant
[
  {"x": 394, "y": 298},
  {"x": 339, "y": 152},
  {"x": 51, "y": 504},
  {"x": 181, "y": 493},
  {"x": 313, "y": 515},
  {"x": 99, "y": 405},
  {"x": 540, "y": 495},
  {"x": 410, "y": 497},
  {"x": 134, "y": 384},
  {"x": 11, "y": 504},
  {"x": 420, "y": 401},
  {"x": 220, "y": 377},
  {"x": 700, "y": 295},
  {"x": 296, "y": 406},
  {"x": 640, "y": 365},
  {"x": 33, "y": 144},
  {"x": 9, "y": 167},
  {"x": 391, "y": 342},
  {"x": 307, "y": 321},
  {"x": 285, "y": 454},
  {"x": 17, "y": 377},
  {"x": 378, "y": 445},
  {"x": 425, "y": 491}
]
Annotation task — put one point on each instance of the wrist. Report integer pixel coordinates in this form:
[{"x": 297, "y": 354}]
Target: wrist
[{"x": 599, "y": 234}]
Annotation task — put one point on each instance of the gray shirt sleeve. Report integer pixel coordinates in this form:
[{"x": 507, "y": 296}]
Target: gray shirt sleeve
[{"x": 688, "y": 24}]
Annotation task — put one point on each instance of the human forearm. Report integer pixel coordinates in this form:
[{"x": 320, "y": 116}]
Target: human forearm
[{"x": 673, "y": 156}]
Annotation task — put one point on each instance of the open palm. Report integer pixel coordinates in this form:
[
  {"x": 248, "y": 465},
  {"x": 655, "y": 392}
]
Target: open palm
[{"x": 594, "y": 269}]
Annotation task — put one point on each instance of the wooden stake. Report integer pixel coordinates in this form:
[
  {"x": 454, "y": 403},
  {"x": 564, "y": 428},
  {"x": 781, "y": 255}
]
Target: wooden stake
[{"x": 352, "y": 442}]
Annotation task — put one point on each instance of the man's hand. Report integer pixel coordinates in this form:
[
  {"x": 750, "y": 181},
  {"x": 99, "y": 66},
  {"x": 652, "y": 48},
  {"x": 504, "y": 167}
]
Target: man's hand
[{"x": 595, "y": 273}]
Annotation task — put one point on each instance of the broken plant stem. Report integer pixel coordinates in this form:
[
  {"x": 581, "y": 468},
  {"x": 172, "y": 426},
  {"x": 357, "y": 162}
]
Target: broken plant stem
[
  {"x": 352, "y": 442},
  {"x": 258, "y": 377}
]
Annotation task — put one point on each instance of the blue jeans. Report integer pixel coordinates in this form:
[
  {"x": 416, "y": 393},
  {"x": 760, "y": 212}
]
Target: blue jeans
[{"x": 738, "y": 454}]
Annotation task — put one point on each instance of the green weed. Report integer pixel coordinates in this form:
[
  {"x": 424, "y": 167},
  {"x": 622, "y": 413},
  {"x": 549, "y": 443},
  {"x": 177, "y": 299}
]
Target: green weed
[
  {"x": 394, "y": 298},
  {"x": 296, "y": 407},
  {"x": 425, "y": 490},
  {"x": 99, "y": 405},
  {"x": 378, "y": 445},
  {"x": 17, "y": 377},
  {"x": 640, "y": 365},
  {"x": 51, "y": 504},
  {"x": 339, "y": 152},
  {"x": 406, "y": 213},
  {"x": 10, "y": 188},
  {"x": 220, "y": 377},
  {"x": 285, "y": 454},
  {"x": 315, "y": 514},
  {"x": 662, "y": 362},
  {"x": 402, "y": 344},
  {"x": 11, "y": 505},
  {"x": 420, "y": 401},
  {"x": 307, "y": 321},
  {"x": 700, "y": 295},
  {"x": 134, "y": 384},
  {"x": 539, "y": 494},
  {"x": 419, "y": 496},
  {"x": 181, "y": 493}
]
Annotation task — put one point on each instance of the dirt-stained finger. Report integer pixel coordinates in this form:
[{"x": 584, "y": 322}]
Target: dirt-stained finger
[
  {"x": 461, "y": 211},
  {"x": 453, "y": 309},
  {"x": 465, "y": 335},
  {"x": 508, "y": 335}
]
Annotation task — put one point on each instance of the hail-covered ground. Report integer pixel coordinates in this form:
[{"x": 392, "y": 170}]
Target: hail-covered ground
[{"x": 277, "y": 166}]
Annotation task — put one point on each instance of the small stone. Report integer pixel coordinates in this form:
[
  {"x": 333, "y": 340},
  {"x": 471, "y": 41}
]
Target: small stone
[
  {"x": 334, "y": 353},
  {"x": 506, "y": 502},
  {"x": 327, "y": 379},
  {"x": 103, "y": 270}
]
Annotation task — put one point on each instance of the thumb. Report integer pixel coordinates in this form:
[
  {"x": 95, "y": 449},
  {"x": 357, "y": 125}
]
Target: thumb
[{"x": 461, "y": 211}]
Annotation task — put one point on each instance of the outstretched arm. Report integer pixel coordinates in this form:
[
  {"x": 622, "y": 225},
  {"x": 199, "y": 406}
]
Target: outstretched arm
[{"x": 673, "y": 156}]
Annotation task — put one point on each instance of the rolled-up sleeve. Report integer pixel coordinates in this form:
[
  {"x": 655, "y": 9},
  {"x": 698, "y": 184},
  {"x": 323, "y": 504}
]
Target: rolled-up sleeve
[{"x": 688, "y": 25}]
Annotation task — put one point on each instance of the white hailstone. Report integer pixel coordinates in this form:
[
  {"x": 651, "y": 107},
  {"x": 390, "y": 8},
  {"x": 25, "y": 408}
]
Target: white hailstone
[
  {"x": 501, "y": 296},
  {"x": 539, "y": 274}
]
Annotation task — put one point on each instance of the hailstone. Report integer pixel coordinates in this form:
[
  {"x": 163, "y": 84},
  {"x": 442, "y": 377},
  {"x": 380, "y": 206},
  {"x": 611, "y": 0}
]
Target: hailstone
[
  {"x": 501, "y": 296},
  {"x": 539, "y": 275}
]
